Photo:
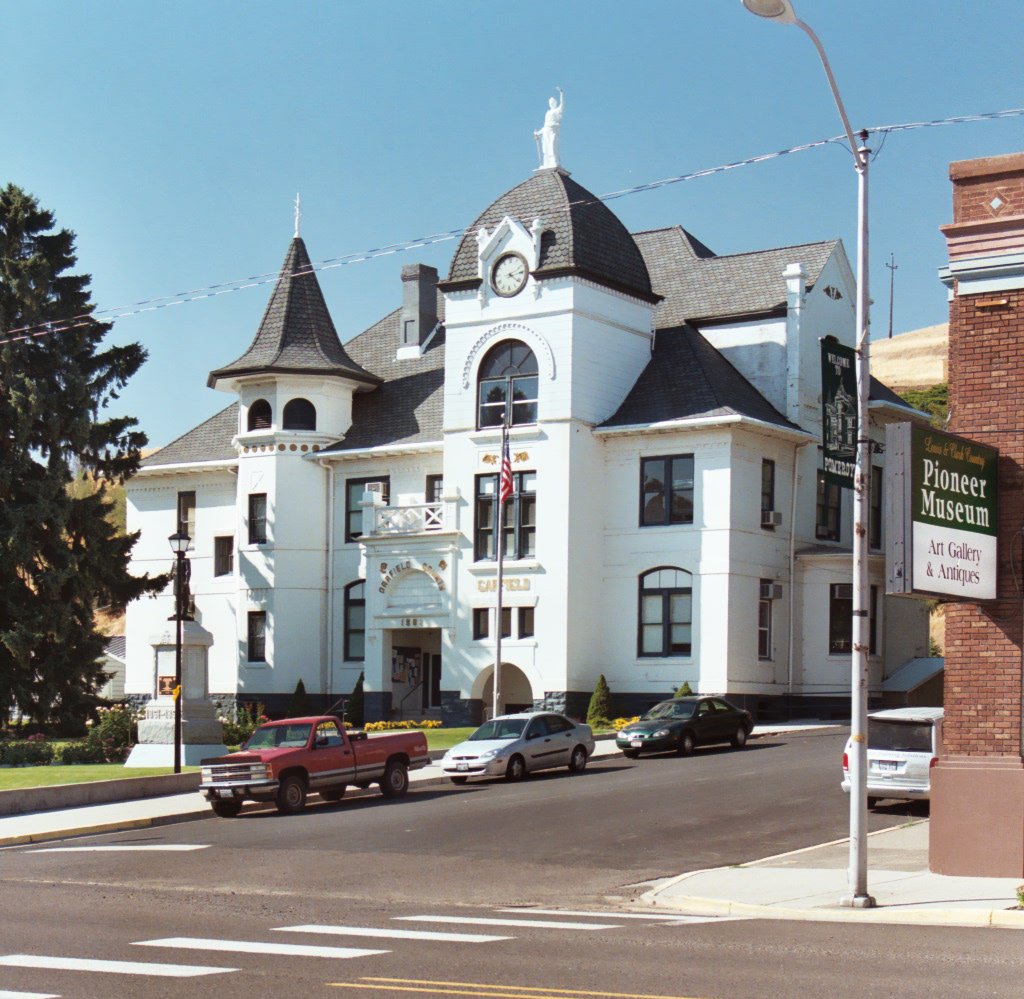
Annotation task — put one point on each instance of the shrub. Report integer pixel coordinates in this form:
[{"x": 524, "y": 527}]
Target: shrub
[
  {"x": 83, "y": 751},
  {"x": 684, "y": 690},
  {"x": 620, "y": 723},
  {"x": 391, "y": 726},
  {"x": 354, "y": 712},
  {"x": 600, "y": 708},
  {"x": 247, "y": 718},
  {"x": 116, "y": 728},
  {"x": 26, "y": 753},
  {"x": 298, "y": 706}
]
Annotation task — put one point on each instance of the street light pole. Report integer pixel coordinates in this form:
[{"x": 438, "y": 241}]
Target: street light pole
[
  {"x": 179, "y": 543},
  {"x": 782, "y": 12}
]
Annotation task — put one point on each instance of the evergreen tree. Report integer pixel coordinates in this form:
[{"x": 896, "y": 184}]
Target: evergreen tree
[
  {"x": 60, "y": 557},
  {"x": 599, "y": 711},
  {"x": 298, "y": 706},
  {"x": 684, "y": 690}
]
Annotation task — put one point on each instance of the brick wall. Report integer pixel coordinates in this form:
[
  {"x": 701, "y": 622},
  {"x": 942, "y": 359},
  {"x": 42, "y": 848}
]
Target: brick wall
[{"x": 984, "y": 654}]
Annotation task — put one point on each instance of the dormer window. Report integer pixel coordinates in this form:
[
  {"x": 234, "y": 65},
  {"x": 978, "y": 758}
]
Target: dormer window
[
  {"x": 508, "y": 386},
  {"x": 260, "y": 416},
  {"x": 299, "y": 414}
]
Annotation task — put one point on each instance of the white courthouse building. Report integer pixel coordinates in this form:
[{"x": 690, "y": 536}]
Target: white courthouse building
[{"x": 668, "y": 523}]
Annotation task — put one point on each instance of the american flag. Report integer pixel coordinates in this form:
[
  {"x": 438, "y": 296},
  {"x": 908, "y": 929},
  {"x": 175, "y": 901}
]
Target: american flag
[{"x": 505, "y": 482}]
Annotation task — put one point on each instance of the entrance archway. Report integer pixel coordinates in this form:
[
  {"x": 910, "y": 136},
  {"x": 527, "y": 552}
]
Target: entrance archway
[{"x": 516, "y": 691}]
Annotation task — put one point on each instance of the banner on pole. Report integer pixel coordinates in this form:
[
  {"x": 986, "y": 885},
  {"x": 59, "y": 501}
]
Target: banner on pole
[{"x": 838, "y": 412}]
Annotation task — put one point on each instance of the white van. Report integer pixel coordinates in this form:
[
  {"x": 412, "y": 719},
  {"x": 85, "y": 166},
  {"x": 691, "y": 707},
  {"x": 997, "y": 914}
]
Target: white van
[{"x": 903, "y": 746}]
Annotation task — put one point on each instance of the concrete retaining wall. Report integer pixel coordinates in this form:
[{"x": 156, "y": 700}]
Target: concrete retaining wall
[{"x": 42, "y": 799}]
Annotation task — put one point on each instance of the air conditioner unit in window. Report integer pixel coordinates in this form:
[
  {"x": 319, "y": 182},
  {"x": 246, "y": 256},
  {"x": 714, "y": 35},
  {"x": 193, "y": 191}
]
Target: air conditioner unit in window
[
  {"x": 770, "y": 518},
  {"x": 373, "y": 487},
  {"x": 771, "y": 591}
]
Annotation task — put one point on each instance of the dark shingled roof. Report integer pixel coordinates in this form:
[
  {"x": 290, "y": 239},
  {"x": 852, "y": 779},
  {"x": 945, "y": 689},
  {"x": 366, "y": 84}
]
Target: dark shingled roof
[
  {"x": 296, "y": 334},
  {"x": 210, "y": 441},
  {"x": 699, "y": 286},
  {"x": 408, "y": 406},
  {"x": 687, "y": 378},
  {"x": 581, "y": 236}
]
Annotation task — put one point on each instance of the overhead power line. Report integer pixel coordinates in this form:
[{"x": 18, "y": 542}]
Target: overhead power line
[{"x": 254, "y": 281}]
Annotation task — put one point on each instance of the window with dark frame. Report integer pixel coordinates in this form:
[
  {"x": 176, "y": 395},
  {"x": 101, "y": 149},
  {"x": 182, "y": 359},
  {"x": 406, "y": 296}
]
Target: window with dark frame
[
  {"x": 506, "y": 622},
  {"x": 519, "y": 517},
  {"x": 481, "y": 623},
  {"x": 434, "y": 489},
  {"x": 666, "y": 490},
  {"x": 299, "y": 414},
  {"x": 840, "y": 618},
  {"x": 827, "y": 510},
  {"x": 355, "y": 621},
  {"x": 875, "y": 509},
  {"x": 764, "y": 622},
  {"x": 260, "y": 415},
  {"x": 665, "y": 613},
  {"x": 223, "y": 555},
  {"x": 507, "y": 386},
  {"x": 256, "y": 646},
  {"x": 873, "y": 622},
  {"x": 767, "y": 485},
  {"x": 525, "y": 622},
  {"x": 354, "y": 490},
  {"x": 257, "y": 518},
  {"x": 187, "y": 513}
]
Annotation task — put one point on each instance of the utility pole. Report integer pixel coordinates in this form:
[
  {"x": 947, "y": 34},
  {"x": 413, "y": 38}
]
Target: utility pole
[{"x": 892, "y": 282}]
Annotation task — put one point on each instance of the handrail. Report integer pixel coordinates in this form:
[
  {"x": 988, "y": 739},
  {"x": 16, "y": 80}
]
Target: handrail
[{"x": 407, "y": 696}]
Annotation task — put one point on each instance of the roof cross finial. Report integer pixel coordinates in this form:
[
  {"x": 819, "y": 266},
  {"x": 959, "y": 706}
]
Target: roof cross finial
[{"x": 298, "y": 214}]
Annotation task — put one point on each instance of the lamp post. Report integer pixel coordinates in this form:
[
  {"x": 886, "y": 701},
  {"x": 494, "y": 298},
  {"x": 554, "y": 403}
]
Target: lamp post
[
  {"x": 781, "y": 11},
  {"x": 179, "y": 543}
]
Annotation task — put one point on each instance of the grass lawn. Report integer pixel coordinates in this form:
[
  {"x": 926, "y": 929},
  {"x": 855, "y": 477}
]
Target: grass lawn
[
  {"x": 445, "y": 738},
  {"x": 15, "y": 778}
]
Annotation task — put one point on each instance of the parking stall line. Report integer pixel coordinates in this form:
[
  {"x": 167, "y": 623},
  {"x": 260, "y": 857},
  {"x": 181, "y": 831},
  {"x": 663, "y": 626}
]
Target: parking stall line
[
  {"x": 490, "y": 989},
  {"x": 597, "y": 915},
  {"x": 127, "y": 848},
  {"x": 391, "y": 933},
  {"x": 27, "y": 995},
  {"x": 53, "y": 963},
  {"x": 542, "y": 924},
  {"x": 258, "y": 947}
]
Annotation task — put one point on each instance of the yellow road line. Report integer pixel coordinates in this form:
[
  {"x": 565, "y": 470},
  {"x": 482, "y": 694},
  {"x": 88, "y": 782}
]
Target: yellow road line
[{"x": 503, "y": 991}]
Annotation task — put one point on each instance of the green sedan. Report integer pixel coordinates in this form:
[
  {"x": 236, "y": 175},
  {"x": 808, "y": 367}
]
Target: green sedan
[{"x": 683, "y": 723}]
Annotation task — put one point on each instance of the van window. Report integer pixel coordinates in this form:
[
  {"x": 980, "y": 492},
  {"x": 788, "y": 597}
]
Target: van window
[{"x": 899, "y": 737}]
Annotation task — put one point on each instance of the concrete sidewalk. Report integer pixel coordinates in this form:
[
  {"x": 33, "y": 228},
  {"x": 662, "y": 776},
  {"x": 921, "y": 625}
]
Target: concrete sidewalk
[{"x": 808, "y": 884}]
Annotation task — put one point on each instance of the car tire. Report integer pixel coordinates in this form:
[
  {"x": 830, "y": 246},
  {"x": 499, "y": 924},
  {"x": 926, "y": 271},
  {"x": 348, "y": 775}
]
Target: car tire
[
  {"x": 739, "y": 740},
  {"x": 458, "y": 780},
  {"x": 516, "y": 769},
  {"x": 873, "y": 801},
  {"x": 291, "y": 795},
  {"x": 578, "y": 760},
  {"x": 226, "y": 809},
  {"x": 395, "y": 781},
  {"x": 686, "y": 744},
  {"x": 334, "y": 793},
  {"x": 631, "y": 754}
]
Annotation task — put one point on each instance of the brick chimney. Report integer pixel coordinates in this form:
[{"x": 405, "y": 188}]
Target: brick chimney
[
  {"x": 419, "y": 309},
  {"x": 977, "y": 810}
]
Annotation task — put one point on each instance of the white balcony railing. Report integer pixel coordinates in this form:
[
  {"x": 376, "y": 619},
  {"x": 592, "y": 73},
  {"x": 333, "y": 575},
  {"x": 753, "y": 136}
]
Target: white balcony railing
[{"x": 415, "y": 518}]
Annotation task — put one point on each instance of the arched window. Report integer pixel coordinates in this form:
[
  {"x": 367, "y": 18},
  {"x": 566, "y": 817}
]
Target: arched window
[
  {"x": 355, "y": 620},
  {"x": 666, "y": 612},
  {"x": 260, "y": 416},
  {"x": 508, "y": 385},
  {"x": 299, "y": 414}
]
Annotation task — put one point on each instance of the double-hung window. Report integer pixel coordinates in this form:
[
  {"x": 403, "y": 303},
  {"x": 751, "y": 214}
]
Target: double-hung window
[
  {"x": 256, "y": 645},
  {"x": 764, "y": 622},
  {"x": 187, "y": 514},
  {"x": 507, "y": 386},
  {"x": 354, "y": 490},
  {"x": 223, "y": 555},
  {"x": 840, "y": 619},
  {"x": 875, "y": 509},
  {"x": 257, "y": 518},
  {"x": 518, "y": 517},
  {"x": 666, "y": 490},
  {"x": 355, "y": 620},
  {"x": 827, "y": 510},
  {"x": 666, "y": 612}
]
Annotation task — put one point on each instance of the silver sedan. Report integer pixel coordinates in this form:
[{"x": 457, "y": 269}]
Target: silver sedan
[{"x": 512, "y": 746}]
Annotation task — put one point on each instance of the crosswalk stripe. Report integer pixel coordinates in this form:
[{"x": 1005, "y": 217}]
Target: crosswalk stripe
[
  {"x": 257, "y": 947},
  {"x": 27, "y": 995},
  {"x": 390, "y": 933},
  {"x": 664, "y": 918},
  {"x": 544, "y": 924},
  {"x": 110, "y": 967},
  {"x": 127, "y": 848}
]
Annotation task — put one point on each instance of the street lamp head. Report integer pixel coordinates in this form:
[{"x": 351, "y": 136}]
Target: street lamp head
[
  {"x": 179, "y": 542},
  {"x": 775, "y": 10}
]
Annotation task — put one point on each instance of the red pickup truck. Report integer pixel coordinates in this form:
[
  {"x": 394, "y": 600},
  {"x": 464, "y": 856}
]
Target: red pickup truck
[{"x": 283, "y": 761}]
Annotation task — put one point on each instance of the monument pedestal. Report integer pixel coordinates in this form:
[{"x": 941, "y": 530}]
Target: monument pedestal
[{"x": 201, "y": 733}]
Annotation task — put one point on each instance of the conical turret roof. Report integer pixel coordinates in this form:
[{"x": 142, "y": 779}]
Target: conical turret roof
[{"x": 296, "y": 334}]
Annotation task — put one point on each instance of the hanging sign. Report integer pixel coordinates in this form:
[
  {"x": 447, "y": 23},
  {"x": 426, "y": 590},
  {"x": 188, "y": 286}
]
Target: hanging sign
[{"x": 838, "y": 412}]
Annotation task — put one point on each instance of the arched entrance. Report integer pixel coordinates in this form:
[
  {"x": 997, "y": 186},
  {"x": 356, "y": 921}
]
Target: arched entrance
[{"x": 516, "y": 692}]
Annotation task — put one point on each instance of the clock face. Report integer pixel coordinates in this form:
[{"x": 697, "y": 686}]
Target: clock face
[{"x": 509, "y": 275}]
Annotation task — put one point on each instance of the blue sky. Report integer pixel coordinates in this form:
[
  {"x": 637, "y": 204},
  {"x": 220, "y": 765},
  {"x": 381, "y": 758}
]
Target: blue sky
[{"x": 172, "y": 139}]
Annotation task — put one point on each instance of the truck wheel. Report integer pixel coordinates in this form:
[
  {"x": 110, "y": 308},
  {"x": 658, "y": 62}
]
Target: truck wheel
[
  {"x": 333, "y": 793},
  {"x": 395, "y": 782},
  {"x": 226, "y": 809},
  {"x": 291, "y": 795}
]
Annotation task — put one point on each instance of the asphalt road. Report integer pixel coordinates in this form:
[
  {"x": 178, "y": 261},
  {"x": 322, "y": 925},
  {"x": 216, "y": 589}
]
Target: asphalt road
[{"x": 228, "y": 894}]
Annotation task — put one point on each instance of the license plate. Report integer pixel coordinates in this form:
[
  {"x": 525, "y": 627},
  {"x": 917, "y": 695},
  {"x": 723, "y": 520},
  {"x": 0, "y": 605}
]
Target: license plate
[
  {"x": 223, "y": 793},
  {"x": 461, "y": 766},
  {"x": 888, "y": 765},
  {"x": 636, "y": 744}
]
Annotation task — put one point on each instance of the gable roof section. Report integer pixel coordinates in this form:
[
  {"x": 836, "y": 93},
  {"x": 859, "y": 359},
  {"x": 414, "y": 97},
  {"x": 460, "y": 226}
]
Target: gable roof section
[
  {"x": 408, "y": 406},
  {"x": 210, "y": 441},
  {"x": 296, "y": 334},
  {"x": 700, "y": 287},
  {"x": 687, "y": 378}
]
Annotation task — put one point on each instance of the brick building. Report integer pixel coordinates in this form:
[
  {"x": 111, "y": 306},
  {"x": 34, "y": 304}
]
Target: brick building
[{"x": 977, "y": 825}]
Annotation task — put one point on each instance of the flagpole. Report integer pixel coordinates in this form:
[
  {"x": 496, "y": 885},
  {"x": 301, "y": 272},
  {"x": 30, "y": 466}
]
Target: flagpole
[{"x": 499, "y": 536}]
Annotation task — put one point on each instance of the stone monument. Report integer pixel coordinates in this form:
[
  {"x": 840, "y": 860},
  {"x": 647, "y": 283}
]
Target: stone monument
[{"x": 201, "y": 732}]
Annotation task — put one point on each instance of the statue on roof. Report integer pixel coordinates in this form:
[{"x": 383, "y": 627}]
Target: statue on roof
[{"x": 547, "y": 137}]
